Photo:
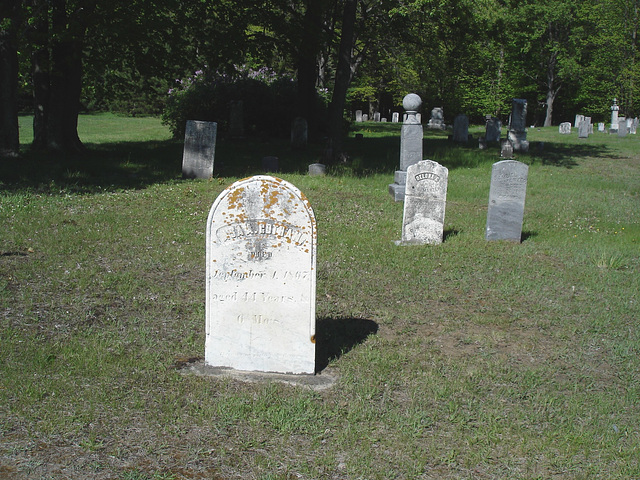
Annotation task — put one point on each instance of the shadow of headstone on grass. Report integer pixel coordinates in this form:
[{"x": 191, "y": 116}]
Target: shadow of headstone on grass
[{"x": 336, "y": 336}]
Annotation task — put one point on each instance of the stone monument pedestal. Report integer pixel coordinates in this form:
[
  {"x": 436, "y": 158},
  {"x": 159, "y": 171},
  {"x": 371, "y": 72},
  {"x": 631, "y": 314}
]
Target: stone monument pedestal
[{"x": 410, "y": 145}]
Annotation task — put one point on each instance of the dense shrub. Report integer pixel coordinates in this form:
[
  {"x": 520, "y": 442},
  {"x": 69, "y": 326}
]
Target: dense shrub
[{"x": 268, "y": 102}]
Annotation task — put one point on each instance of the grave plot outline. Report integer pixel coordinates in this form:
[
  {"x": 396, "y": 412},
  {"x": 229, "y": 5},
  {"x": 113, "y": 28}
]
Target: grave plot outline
[{"x": 261, "y": 253}]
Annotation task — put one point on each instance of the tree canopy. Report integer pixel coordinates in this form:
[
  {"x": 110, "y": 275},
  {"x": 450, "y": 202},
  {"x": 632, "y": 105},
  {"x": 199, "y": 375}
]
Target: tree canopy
[{"x": 59, "y": 57}]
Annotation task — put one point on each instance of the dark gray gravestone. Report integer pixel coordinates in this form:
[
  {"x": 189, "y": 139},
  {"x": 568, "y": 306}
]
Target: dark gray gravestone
[
  {"x": 461, "y": 129},
  {"x": 299, "y": 133},
  {"x": 493, "y": 129},
  {"x": 506, "y": 200},
  {"x": 424, "y": 203},
  {"x": 199, "y": 149}
]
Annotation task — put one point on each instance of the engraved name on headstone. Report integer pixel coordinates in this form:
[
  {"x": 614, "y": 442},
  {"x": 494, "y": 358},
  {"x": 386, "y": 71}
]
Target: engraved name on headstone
[
  {"x": 261, "y": 278},
  {"x": 506, "y": 200},
  {"x": 424, "y": 203},
  {"x": 199, "y": 149}
]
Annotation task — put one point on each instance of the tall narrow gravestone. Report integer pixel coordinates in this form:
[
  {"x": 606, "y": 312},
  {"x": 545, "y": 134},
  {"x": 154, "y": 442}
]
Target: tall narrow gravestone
[
  {"x": 410, "y": 145},
  {"x": 461, "y": 129},
  {"x": 424, "y": 203},
  {"x": 261, "y": 278},
  {"x": 199, "y": 149},
  {"x": 506, "y": 200}
]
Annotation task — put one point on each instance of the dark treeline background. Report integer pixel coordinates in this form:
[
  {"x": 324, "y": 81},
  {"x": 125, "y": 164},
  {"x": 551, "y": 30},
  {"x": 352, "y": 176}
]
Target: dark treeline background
[{"x": 322, "y": 58}]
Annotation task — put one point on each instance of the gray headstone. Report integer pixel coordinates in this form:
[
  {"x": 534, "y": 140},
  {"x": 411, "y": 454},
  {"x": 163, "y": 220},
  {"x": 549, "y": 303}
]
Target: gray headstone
[
  {"x": 199, "y": 149},
  {"x": 437, "y": 119},
  {"x": 410, "y": 145},
  {"x": 564, "y": 128},
  {"x": 299, "y": 132},
  {"x": 395, "y": 117},
  {"x": 261, "y": 278},
  {"x": 583, "y": 129},
  {"x": 424, "y": 203},
  {"x": 578, "y": 120},
  {"x": 506, "y": 150},
  {"x": 622, "y": 127},
  {"x": 461, "y": 129},
  {"x": 518, "y": 115},
  {"x": 236, "y": 121},
  {"x": 634, "y": 126},
  {"x": 317, "y": 169},
  {"x": 365, "y": 117},
  {"x": 506, "y": 200},
  {"x": 376, "y": 117},
  {"x": 358, "y": 115},
  {"x": 493, "y": 129},
  {"x": 601, "y": 127}
]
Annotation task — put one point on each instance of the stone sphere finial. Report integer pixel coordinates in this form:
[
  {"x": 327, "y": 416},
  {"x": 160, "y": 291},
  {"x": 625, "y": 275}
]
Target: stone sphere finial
[{"x": 411, "y": 102}]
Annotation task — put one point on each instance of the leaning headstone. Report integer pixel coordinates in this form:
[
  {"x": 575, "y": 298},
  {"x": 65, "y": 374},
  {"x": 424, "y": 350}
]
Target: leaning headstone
[
  {"x": 317, "y": 169},
  {"x": 199, "y": 149},
  {"x": 565, "y": 128},
  {"x": 614, "y": 117},
  {"x": 358, "y": 115},
  {"x": 461, "y": 129},
  {"x": 236, "y": 120},
  {"x": 424, "y": 204},
  {"x": 517, "y": 134},
  {"x": 410, "y": 145},
  {"x": 299, "y": 132},
  {"x": 493, "y": 129},
  {"x": 437, "y": 119},
  {"x": 395, "y": 117},
  {"x": 622, "y": 127},
  {"x": 506, "y": 200},
  {"x": 261, "y": 278}
]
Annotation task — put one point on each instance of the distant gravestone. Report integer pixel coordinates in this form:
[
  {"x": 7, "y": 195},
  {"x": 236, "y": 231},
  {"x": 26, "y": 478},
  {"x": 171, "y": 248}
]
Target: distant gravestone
[
  {"x": 565, "y": 128},
  {"x": 365, "y": 117},
  {"x": 493, "y": 129},
  {"x": 261, "y": 278},
  {"x": 376, "y": 117},
  {"x": 395, "y": 117},
  {"x": 410, "y": 145},
  {"x": 299, "y": 132},
  {"x": 506, "y": 200},
  {"x": 622, "y": 127},
  {"x": 614, "y": 117},
  {"x": 601, "y": 127},
  {"x": 578, "y": 120},
  {"x": 634, "y": 126},
  {"x": 437, "y": 119},
  {"x": 506, "y": 150},
  {"x": 317, "y": 169},
  {"x": 199, "y": 149},
  {"x": 517, "y": 134},
  {"x": 583, "y": 128},
  {"x": 461, "y": 129},
  {"x": 236, "y": 120},
  {"x": 424, "y": 203},
  {"x": 358, "y": 115}
]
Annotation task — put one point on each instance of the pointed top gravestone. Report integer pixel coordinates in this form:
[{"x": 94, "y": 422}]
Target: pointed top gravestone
[
  {"x": 506, "y": 200},
  {"x": 261, "y": 278}
]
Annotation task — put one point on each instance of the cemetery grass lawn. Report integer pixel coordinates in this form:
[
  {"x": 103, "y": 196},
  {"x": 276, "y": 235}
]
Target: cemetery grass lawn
[{"x": 466, "y": 360}]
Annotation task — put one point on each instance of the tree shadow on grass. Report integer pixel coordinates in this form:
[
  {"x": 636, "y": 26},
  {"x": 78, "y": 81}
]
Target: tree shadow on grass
[{"x": 336, "y": 336}]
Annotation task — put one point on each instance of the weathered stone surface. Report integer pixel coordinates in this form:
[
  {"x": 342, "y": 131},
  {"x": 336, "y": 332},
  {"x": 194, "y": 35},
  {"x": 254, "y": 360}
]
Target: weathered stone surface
[
  {"x": 622, "y": 127},
  {"x": 199, "y": 149},
  {"x": 493, "y": 129},
  {"x": 261, "y": 278},
  {"x": 506, "y": 200},
  {"x": 410, "y": 144},
  {"x": 317, "y": 169},
  {"x": 461, "y": 129},
  {"x": 424, "y": 203},
  {"x": 437, "y": 119},
  {"x": 565, "y": 128}
]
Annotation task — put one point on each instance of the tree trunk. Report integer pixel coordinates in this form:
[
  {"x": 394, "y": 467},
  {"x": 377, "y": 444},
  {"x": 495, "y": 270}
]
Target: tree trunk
[
  {"x": 9, "y": 135},
  {"x": 552, "y": 90},
  {"x": 40, "y": 66},
  {"x": 65, "y": 83},
  {"x": 343, "y": 78}
]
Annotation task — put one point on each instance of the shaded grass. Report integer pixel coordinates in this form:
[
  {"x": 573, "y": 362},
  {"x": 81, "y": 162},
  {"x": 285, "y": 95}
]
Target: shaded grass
[{"x": 466, "y": 360}]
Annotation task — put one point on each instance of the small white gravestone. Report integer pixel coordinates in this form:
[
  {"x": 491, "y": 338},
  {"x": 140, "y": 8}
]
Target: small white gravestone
[
  {"x": 358, "y": 115},
  {"x": 424, "y": 203},
  {"x": 395, "y": 117},
  {"x": 506, "y": 200},
  {"x": 261, "y": 278},
  {"x": 601, "y": 127},
  {"x": 565, "y": 128},
  {"x": 199, "y": 149}
]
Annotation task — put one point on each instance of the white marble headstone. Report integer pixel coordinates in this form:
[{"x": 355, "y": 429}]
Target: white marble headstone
[
  {"x": 261, "y": 278},
  {"x": 424, "y": 203}
]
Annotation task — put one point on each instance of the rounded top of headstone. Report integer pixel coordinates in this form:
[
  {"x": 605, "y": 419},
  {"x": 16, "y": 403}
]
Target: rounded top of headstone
[{"x": 411, "y": 102}]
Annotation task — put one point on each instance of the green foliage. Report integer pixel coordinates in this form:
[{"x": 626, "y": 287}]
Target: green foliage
[{"x": 268, "y": 101}]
